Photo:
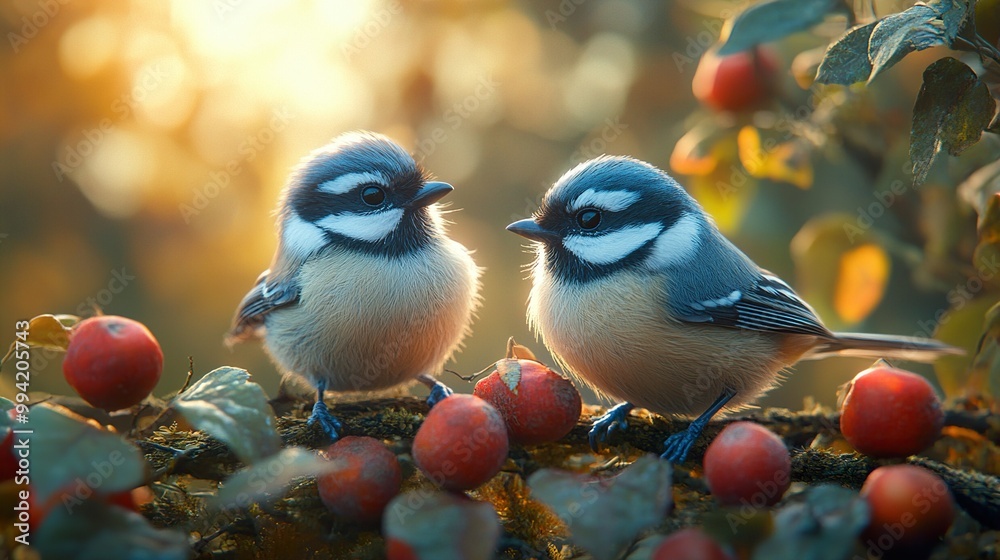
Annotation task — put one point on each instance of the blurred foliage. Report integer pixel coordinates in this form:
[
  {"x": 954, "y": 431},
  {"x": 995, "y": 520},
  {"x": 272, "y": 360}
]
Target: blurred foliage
[{"x": 143, "y": 146}]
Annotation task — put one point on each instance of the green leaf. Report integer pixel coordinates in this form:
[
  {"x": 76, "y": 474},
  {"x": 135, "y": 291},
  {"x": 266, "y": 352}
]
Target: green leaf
[
  {"x": 77, "y": 459},
  {"x": 770, "y": 21},
  {"x": 923, "y": 26},
  {"x": 636, "y": 499},
  {"x": 952, "y": 109},
  {"x": 233, "y": 409},
  {"x": 269, "y": 477},
  {"x": 442, "y": 526},
  {"x": 98, "y": 531},
  {"x": 846, "y": 61},
  {"x": 822, "y": 527}
]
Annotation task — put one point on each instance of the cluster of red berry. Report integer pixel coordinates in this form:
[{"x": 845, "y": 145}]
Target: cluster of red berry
[{"x": 114, "y": 363}]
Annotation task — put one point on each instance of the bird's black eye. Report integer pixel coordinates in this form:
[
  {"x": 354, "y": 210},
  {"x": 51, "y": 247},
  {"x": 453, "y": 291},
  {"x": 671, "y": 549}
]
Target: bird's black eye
[
  {"x": 373, "y": 196},
  {"x": 588, "y": 218}
]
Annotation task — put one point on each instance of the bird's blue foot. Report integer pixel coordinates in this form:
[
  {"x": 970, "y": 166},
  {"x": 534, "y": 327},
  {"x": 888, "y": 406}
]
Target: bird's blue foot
[
  {"x": 614, "y": 419},
  {"x": 321, "y": 414},
  {"x": 677, "y": 446},
  {"x": 439, "y": 391}
]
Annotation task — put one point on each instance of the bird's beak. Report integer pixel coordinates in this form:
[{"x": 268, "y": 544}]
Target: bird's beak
[
  {"x": 431, "y": 192},
  {"x": 529, "y": 228}
]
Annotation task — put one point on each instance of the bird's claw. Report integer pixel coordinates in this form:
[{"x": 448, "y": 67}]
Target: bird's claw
[
  {"x": 321, "y": 414},
  {"x": 677, "y": 446},
  {"x": 603, "y": 427},
  {"x": 439, "y": 392}
]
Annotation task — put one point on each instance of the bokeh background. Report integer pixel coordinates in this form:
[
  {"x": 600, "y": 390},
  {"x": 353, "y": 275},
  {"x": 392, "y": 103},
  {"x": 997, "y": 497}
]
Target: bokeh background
[{"x": 143, "y": 145}]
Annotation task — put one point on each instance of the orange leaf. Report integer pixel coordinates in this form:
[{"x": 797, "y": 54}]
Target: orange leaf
[{"x": 861, "y": 281}]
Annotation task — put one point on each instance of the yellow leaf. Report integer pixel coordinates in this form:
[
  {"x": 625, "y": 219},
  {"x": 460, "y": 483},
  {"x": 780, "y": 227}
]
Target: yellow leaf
[
  {"x": 725, "y": 194},
  {"x": 817, "y": 249},
  {"x": 861, "y": 281},
  {"x": 703, "y": 149},
  {"x": 788, "y": 162},
  {"x": 44, "y": 331},
  {"x": 523, "y": 353}
]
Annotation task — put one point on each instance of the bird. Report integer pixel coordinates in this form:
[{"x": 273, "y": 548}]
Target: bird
[
  {"x": 365, "y": 291},
  {"x": 637, "y": 293}
]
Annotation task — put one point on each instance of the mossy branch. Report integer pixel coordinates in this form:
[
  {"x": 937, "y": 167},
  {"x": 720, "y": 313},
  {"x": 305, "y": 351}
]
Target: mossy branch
[{"x": 399, "y": 418}]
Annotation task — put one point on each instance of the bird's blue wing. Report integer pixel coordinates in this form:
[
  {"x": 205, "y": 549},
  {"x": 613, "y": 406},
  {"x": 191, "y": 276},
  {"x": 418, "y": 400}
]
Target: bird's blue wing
[
  {"x": 764, "y": 304},
  {"x": 266, "y": 295}
]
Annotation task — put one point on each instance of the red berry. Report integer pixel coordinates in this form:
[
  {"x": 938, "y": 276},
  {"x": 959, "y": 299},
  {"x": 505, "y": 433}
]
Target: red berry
[
  {"x": 890, "y": 412},
  {"x": 8, "y": 458},
  {"x": 747, "y": 464},
  {"x": 396, "y": 549},
  {"x": 735, "y": 82},
  {"x": 70, "y": 495},
  {"x": 8, "y": 462},
  {"x": 365, "y": 475},
  {"x": 462, "y": 443},
  {"x": 112, "y": 362},
  {"x": 131, "y": 499},
  {"x": 690, "y": 544},
  {"x": 538, "y": 404},
  {"x": 425, "y": 525},
  {"x": 911, "y": 508}
]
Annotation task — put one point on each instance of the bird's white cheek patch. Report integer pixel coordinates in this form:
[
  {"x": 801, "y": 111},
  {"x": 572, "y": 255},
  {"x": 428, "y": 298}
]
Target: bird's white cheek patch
[
  {"x": 612, "y": 246},
  {"x": 301, "y": 238},
  {"x": 677, "y": 245},
  {"x": 363, "y": 227},
  {"x": 348, "y": 181}
]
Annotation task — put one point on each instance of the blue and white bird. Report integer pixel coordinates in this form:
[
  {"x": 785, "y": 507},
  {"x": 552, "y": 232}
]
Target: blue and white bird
[
  {"x": 366, "y": 290},
  {"x": 637, "y": 293}
]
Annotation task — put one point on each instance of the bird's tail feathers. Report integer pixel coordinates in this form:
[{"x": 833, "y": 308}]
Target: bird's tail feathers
[{"x": 863, "y": 345}]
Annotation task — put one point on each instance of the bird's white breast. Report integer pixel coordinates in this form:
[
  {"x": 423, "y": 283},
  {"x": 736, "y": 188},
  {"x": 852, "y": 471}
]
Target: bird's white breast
[
  {"x": 366, "y": 322},
  {"x": 615, "y": 335}
]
